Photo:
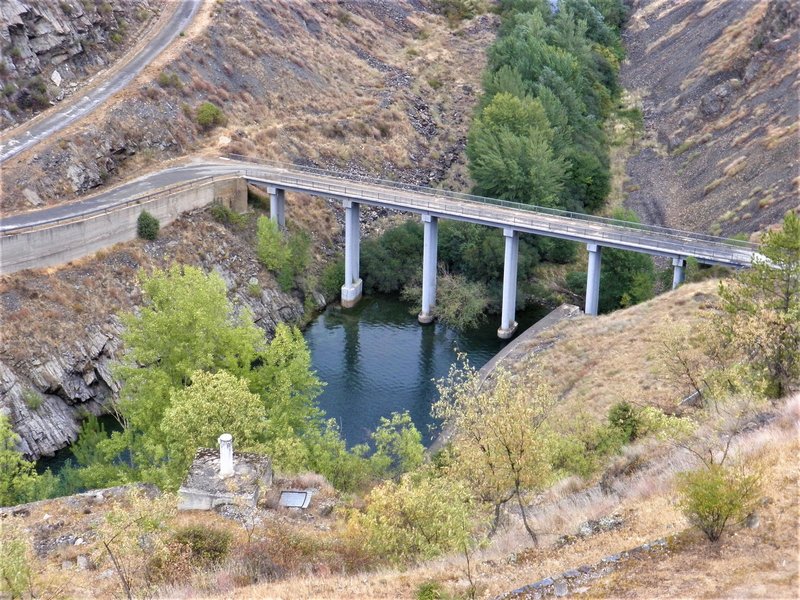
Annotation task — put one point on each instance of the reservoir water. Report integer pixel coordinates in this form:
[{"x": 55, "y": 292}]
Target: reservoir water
[{"x": 377, "y": 359}]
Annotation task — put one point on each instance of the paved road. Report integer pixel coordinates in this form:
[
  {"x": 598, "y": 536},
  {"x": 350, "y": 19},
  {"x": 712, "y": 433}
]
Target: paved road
[
  {"x": 54, "y": 122},
  {"x": 580, "y": 228}
]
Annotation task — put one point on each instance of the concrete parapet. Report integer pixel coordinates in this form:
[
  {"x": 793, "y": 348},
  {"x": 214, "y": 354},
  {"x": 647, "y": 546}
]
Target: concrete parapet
[{"x": 56, "y": 243}]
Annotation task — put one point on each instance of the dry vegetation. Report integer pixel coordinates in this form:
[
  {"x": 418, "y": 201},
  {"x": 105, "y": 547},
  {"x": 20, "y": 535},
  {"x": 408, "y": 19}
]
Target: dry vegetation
[
  {"x": 718, "y": 82},
  {"x": 384, "y": 88}
]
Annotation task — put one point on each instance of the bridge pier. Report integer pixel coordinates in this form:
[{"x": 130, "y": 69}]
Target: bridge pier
[
  {"x": 678, "y": 271},
  {"x": 429, "y": 266},
  {"x": 507, "y": 323},
  {"x": 593, "y": 279},
  {"x": 277, "y": 205},
  {"x": 351, "y": 290}
]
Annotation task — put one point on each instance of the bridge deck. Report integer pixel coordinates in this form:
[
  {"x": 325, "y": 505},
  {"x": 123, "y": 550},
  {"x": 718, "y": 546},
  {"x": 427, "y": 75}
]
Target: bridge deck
[{"x": 449, "y": 205}]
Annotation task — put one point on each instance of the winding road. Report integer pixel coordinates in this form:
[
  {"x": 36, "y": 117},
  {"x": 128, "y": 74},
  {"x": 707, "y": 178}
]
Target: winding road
[{"x": 48, "y": 124}]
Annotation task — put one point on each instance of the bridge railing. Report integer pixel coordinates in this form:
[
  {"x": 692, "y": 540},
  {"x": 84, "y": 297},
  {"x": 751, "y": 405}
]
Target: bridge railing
[{"x": 459, "y": 196}]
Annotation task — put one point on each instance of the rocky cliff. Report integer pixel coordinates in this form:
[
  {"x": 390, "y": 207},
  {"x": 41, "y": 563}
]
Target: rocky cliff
[
  {"x": 50, "y": 46},
  {"x": 61, "y": 333}
]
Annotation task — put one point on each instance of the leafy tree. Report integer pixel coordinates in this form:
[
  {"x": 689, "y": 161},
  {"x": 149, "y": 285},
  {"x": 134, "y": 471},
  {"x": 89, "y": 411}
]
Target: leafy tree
[
  {"x": 270, "y": 248},
  {"x": 392, "y": 261},
  {"x": 398, "y": 445},
  {"x": 460, "y": 303},
  {"x": 497, "y": 445},
  {"x": 19, "y": 481},
  {"x": 214, "y": 403},
  {"x": 761, "y": 307}
]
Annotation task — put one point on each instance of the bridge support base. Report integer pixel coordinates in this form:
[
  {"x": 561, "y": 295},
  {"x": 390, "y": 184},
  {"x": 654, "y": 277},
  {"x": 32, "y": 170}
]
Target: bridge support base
[
  {"x": 351, "y": 294},
  {"x": 351, "y": 290},
  {"x": 678, "y": 272},
  {"x": 429, "y": 265},
  {"x": 507, "y": 323},
  {"x": 593, "y": 279},
  {"x": 277, "y": 206}
]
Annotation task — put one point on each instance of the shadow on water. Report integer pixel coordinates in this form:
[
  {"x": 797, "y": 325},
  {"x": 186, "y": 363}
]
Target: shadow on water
[{"x": 377, "y": 359}]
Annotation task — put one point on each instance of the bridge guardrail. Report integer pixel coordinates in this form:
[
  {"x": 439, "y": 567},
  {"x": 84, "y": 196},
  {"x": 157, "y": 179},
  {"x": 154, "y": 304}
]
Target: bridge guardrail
[{"x": 627, "y": 225}]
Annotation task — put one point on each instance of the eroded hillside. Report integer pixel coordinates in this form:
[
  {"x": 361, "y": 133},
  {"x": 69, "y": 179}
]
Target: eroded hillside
[
  {"x": 385, "y": 88},
  {"x": 718, "y": 84}
]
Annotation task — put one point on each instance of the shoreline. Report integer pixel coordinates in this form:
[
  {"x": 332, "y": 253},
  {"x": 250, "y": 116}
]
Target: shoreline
[{"x": 561, "y": 313}]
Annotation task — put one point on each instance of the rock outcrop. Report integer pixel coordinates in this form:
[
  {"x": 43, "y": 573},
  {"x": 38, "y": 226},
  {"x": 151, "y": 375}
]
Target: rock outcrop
[{"x": 50, "y": 46}]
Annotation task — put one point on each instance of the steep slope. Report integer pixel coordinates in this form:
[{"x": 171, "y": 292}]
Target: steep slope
[
  {"x": 50, "y": 48},
  {"x": 385, "y": 88},
  {"x": 718, "y": 84}
]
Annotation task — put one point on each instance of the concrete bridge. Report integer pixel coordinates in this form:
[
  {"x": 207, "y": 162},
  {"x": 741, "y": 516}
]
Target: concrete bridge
[{"x": 431, "y": 204}]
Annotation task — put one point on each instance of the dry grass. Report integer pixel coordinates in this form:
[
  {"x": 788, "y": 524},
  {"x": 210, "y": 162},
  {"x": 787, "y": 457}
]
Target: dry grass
[{"x": 591, "y": 375}]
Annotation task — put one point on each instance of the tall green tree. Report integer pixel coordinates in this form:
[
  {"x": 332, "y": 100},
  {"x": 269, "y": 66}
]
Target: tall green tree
[
  {"x": 19, "y": 481},
  {"x": 762, "y": 308}
]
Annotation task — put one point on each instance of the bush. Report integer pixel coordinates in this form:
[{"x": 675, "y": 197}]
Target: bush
[
  {"x": 624, "y": 417},
  {"x": 223, "y": 214},
  {"x": 716, "y": 496},
  {"x": 332, "y": 278},
  {"x": 166, "y": 80},
  {"x": 147, "y": 226},
  {"x": 270, "y": 248},
  {"x": 208, "y": 546},
  {"x": 209, "y": 115},
  {"x": 33, "y": 399}
]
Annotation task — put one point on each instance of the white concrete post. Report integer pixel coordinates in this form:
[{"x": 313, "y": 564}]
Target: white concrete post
[
  {"x": 678, "y": 271},
  {"x": 507, "y": 323},
  {"x": 225, "y": 455},
  {"x": 277, "y": 205},
  {"x": 593, "y": 279},
  {"x": 429, "y": 265},
  {"x": 351, "y": 290}
]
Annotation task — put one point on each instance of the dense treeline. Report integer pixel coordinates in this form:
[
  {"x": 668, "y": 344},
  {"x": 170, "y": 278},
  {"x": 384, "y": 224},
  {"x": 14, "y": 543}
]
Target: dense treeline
[{"x": 537, "y": 138}]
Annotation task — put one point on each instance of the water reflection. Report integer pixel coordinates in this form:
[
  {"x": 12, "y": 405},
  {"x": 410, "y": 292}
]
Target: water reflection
[{"x": 377, "y": 359}]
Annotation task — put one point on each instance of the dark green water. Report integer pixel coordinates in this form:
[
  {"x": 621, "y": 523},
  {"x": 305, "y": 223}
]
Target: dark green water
[{"x": 377, "y": 359}]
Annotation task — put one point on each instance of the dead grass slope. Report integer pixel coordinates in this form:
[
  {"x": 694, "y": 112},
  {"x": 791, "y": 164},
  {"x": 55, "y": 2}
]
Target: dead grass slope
[
  {"x": 718, "y": 83},
  {"x": 380, "y": 87}
]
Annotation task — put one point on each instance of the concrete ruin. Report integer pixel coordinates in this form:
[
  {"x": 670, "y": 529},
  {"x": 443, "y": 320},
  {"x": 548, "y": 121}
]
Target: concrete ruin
[{"x": 220, "y": 478}]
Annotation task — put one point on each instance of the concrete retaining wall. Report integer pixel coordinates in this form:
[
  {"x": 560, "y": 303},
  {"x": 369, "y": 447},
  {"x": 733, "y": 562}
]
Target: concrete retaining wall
[{"x": 60, "y": 242}]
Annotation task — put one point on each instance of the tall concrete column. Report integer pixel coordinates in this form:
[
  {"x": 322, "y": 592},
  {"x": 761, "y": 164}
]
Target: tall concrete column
[
  {"x": 678, "y": 271},
  {"x": 593, "y": 279},
  {"x": 277, "y": 205},
  {"x": 507, "y": 323},
  {"x": 351, "y": 290},
  {"x": 429, "y": 264},
  {"x": 225, "y": 442}
]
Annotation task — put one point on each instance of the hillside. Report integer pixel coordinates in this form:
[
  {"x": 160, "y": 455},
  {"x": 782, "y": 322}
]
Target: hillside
[
  {"x": 51, "y": 49},
  {"x": 618, "y": 533},
  {"x": 369, "y": 87},
  {"x": 718, "y": 86},
  {"x": 331, "y": 96}
]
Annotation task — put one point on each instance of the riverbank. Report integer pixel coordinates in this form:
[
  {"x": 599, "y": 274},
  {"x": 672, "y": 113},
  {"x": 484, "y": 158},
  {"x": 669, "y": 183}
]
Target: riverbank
[{"x": 517, "y": 349}]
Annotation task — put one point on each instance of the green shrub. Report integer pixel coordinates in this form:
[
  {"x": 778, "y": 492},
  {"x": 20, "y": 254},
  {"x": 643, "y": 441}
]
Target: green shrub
[
  {"x": 716, "y": 496},
  {"x": 33, "y": 399},
  {"x": 431, "y": 590},
  {"x": 115, "y": 37},
  {"x": 207, "y": 545},
  {"x": 166, "y": 80},
  {"x": 147, "y": 226},
  {"x": 624, "y": 417},
  {"x": 223, "y": 214},
  {"x": 209, "y": 115}
]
